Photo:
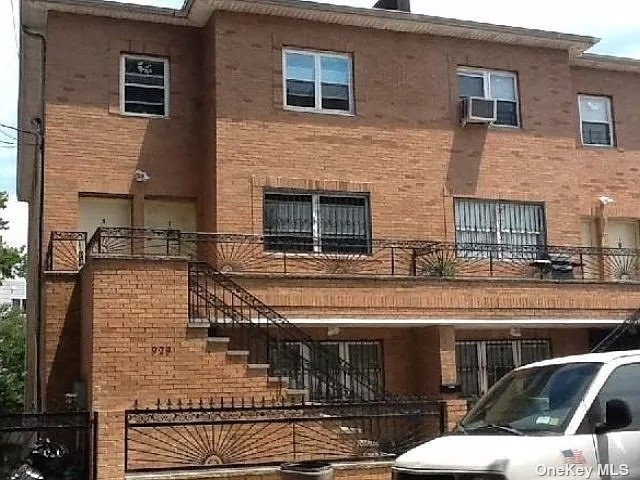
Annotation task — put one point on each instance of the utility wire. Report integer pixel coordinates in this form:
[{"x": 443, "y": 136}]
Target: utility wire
[
  {"x": 10, "y": 137},
  {"x": 18, "y": 129},
  {"x": 8, "y": 143}
]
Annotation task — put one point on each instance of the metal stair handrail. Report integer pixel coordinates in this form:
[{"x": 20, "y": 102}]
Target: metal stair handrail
[
  {"x": 289, "y": 331},
  {"x": 630, "y": 323}
]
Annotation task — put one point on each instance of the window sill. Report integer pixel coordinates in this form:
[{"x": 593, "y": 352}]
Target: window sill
[
  {"x": 338, "y": 113},
  {"x": 143, "y": 115},
  {"x": 595, "y": 146},
  {"x": 494, "y": 126}
]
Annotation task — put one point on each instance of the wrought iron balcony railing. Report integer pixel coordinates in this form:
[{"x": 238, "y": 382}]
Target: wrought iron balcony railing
[{"x": 257, "y": 254}]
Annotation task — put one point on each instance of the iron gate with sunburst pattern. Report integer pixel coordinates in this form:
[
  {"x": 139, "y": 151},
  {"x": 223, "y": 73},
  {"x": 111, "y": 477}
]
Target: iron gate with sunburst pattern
[{"x": 260, "y": 434}]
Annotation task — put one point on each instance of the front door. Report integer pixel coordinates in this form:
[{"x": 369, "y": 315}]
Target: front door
[{"x": 168, "y": 215}]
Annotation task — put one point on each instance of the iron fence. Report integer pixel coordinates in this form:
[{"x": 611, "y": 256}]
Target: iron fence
[
  {"x": 73, "y": 430},
  {"x": 260, "y": 434},
  {"x": 66, "y": 251},
  {"x": 379, "y": 257}
]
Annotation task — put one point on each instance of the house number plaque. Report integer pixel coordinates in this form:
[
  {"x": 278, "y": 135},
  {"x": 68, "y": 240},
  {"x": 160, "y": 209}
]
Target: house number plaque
[{"x": 161, "y": 350}]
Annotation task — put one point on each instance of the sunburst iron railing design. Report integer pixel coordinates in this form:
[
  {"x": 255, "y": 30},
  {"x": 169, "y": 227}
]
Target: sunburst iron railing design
[{"x": 261, "y": 435}]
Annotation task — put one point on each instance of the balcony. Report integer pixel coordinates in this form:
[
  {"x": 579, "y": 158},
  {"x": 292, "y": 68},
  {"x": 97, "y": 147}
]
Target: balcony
[{"x": 405, "y": 259}]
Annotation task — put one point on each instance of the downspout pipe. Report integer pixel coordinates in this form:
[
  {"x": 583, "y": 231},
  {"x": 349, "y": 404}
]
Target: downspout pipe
[{"x": 39, "y": 125}]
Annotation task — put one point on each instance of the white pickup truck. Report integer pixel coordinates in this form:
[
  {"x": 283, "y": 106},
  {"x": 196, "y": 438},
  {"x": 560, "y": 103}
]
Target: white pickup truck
[{"x": 576, "y": 417}]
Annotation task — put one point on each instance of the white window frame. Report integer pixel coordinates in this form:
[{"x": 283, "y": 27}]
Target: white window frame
[
  {"x": 485, "y": 74},
  {"x": 167, "y": 84},
  {"x": 497, "y": 206},
  {"x": 609, "y": 123},
  {"x": 317, "y": 54}
]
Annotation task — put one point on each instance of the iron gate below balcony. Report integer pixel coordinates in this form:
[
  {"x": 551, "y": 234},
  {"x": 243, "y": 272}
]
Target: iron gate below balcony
[{"x": 73, "y": 430}]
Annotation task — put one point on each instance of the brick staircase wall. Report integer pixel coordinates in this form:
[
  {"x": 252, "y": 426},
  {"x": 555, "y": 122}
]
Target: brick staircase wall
[{"x": 137, "y": 346}]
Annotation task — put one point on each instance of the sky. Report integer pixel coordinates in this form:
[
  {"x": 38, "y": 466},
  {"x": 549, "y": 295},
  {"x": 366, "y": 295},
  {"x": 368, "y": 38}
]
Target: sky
[{"x": 617, "y": 23}]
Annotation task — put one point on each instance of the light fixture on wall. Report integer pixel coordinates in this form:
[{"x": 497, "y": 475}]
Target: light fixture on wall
[
  {"x": 141, "y": 176},
  {"x": 604, "y": 200},
  {"x": 333, "y": 331},
  {"x": 515, "y": 332}
]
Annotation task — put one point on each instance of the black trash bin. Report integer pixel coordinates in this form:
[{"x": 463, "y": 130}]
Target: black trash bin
[{"x": 306, "y": 471}]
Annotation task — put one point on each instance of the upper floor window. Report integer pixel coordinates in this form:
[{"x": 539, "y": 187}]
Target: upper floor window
[
  {"x": 495, "y": 85},
  {"x": 144, "y": 86},
  {"x": 317, "y": 222},
  {"x": 318, "y": 81},
  {"x": 500, "y": 226},
  {"x": 596, "y": 121}
]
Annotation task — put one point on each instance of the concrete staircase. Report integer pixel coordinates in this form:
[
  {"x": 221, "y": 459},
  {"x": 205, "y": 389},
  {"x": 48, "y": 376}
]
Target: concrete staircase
[{"x": 276, "y": 384}]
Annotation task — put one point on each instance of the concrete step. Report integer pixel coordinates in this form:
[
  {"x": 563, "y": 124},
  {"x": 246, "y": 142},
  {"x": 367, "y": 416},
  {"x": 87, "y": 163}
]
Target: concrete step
[
  {"x": 302, "y": 393},
  {"x": 217, "y": 343},
  {"x": 278, "y": 380},
  {"x": 238, "y": 353},
  {"x": 258, "y": 366},
  {"x": 197, "y": 324}
]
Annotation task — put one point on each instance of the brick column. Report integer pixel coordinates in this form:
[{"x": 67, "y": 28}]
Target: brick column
[
  {"x": 435, "y": 359},
  {"x": 454, "y": 412}
]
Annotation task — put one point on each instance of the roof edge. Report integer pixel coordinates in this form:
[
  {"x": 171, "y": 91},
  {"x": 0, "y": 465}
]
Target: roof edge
[
  {"x": 607, "y": 62},
  {"x": 198, "y": 12}
]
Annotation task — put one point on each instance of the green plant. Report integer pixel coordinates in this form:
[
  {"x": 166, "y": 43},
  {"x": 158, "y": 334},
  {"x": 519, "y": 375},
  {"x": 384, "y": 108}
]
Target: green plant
[
  {"x": 12, "y": 357},
  {"x": 441, "y": 266}
]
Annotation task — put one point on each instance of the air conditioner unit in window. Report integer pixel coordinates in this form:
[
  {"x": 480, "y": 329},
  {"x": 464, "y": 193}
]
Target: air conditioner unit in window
[{"x": 478, "y": 110}]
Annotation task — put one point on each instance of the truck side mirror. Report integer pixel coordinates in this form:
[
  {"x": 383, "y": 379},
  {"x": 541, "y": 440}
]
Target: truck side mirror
[{"x": 617, "y": 416}]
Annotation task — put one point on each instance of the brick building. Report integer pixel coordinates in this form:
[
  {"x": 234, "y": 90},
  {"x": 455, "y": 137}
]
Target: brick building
[{"x": 319, "y": 152}]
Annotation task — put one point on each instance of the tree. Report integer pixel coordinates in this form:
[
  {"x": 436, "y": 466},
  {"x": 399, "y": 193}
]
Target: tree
[
  {"x": 12, "y": 359},
  {"x": 12, "y": 259},
  {"x": 12, "y": 327}
]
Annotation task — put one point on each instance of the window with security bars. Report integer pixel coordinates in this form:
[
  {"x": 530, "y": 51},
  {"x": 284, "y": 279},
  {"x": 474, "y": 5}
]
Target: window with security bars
[
  {"x": 480, "y": 364},
  {"x": 501, "y": 229},
  {"x": 317, "y": 222},
  {"x": 319, "y": 367},
  {"x": 144, "y": 86}
]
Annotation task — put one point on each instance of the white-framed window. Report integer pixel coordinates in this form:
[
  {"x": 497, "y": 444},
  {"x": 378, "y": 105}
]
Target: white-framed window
[
  {"x": 480, "y": 364},
  {"x": 596, "y": 121},
  {"x": 317, "y": 81},
  {"x": 498, "y": 226},
  {"x": 494, "y": 85},
  {"x": 144, "y": 86},
  {"x": 317, "y": 222},
  {"x": 304, "y": 364}
]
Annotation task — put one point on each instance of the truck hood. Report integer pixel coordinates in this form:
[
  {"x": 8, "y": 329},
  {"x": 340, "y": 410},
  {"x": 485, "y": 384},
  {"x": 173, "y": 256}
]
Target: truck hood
[{"x": 491, "y": 453}]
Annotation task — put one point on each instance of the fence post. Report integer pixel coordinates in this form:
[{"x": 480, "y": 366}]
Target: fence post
[
  {"x": 94, "y": 447},
  {"x": 393, "y": 261}
]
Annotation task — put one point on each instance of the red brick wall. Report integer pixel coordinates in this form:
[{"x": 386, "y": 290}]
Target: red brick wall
[
  {"x": 428, "y": 298},
  {"x": 404, "y": 145},
  {"x": 229, "y": 137},
  {"x": 91, "y": 147},
  {"x": 131, "y": 308},
  {"x": 61, "y": 334}
]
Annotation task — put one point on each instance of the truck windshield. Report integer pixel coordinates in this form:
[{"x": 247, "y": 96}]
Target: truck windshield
[{"x": 537, "y": 400}]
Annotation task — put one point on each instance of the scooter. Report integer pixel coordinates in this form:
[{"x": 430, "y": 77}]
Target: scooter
[{"x": 45, "y": 461}]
